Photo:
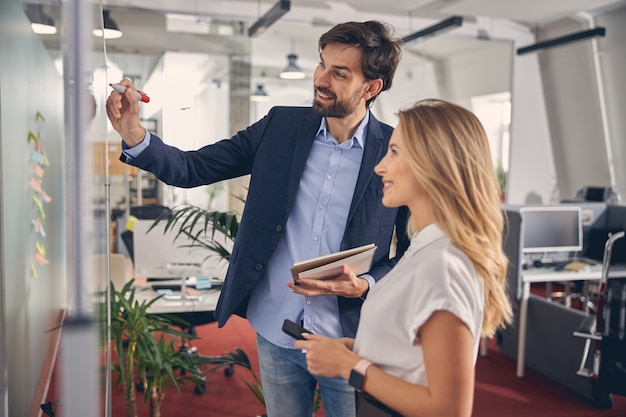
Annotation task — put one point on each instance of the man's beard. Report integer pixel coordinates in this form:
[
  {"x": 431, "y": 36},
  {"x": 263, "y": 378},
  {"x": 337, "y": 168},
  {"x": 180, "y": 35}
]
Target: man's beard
[{"x": 338, "y": 109}]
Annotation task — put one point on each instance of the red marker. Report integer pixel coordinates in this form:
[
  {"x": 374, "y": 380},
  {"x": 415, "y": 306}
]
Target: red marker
[{"x": 140, "y": 95}]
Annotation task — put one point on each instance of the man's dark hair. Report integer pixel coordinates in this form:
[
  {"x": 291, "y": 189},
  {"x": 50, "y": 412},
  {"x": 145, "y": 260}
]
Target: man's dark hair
[{"x": 380, "y": 53}]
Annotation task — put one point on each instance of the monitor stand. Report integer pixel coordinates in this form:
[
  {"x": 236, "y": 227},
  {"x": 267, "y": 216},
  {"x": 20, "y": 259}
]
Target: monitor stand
[{"x": 183, "y": 270}]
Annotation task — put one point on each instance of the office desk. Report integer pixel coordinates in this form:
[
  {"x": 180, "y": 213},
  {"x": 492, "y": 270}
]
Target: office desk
[
  {"x": 203, "y": 301},
  {"x": 544, "y": 275}
]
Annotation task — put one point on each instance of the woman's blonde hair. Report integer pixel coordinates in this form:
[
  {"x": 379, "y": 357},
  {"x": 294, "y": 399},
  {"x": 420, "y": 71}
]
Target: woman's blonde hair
[{"x": 449, "y": 153}]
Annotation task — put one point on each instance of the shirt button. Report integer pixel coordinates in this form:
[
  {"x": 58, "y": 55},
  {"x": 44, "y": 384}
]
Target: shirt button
[
  {"x": 258, "y": 267},
  {"x": 321, "y": 207},
  {"x": 316, "y": 238},
  {"x": 330, "y": 177},
  {"x": 279, "y": 228},
  {"x": 308, "y": 301}
]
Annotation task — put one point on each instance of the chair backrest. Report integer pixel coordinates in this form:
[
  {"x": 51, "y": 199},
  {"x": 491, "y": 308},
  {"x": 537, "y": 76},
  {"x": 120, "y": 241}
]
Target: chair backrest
[
  {"x": 127, "y": 239},
  {"x": 148, "y": 212},
  {"x": 596, "y": 193}
]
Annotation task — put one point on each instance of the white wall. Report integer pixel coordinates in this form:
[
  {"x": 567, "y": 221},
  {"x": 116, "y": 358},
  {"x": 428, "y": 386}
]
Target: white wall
[
  {"x": 573, "y": 109},
  {"x": 193, "y": 104},
  {"x": 30, "y": 303},
  {"x": 612, "y": 66},
  {"x": 585, "y": 104}
]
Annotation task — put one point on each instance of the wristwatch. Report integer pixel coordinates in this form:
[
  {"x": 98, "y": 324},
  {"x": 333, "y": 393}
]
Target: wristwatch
[{"x": 357, "y": 374}]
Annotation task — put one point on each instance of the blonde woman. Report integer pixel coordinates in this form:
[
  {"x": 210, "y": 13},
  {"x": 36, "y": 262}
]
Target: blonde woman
[{"x": 417, "y": 342}]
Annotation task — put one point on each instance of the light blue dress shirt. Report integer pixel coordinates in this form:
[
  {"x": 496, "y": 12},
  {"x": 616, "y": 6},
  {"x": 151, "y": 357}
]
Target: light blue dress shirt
[{"x": 315, "y": 227}]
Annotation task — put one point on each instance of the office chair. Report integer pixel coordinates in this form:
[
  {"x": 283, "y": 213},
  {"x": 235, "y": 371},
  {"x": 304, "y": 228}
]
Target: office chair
[
  {"x": 603, "y": 364},
  {"x": 582, "y": 290}
]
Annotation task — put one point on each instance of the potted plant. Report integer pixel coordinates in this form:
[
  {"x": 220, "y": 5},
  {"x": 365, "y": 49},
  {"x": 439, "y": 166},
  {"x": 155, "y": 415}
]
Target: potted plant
[
  {"x": 145, "y": 345},
  {"x": 501, "y": 174},
  {"x": 202, "y": 226}
]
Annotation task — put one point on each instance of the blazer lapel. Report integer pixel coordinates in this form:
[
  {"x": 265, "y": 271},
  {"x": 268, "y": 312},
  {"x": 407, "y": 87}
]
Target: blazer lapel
[
  {"x": 302, "y": 147},
  {"x": 371, "y": 155}
]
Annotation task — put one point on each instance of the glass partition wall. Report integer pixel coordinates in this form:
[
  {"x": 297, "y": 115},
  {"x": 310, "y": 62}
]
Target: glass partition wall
[
  {"x": 87, "y": 325},
  {"x": 33, "y": 270},
  {"x": 200, "y": 95}
]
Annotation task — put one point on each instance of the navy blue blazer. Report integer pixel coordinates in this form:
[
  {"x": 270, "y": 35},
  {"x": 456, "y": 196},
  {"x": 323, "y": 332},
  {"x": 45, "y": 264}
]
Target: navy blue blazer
[{"x": 274, "y": 150}]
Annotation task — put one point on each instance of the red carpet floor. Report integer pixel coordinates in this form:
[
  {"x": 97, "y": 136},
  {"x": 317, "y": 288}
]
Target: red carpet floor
[{"x": 499, "y": 393}]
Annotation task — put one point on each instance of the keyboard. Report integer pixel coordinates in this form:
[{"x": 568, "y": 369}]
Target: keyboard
[
  {"x": 563, "y": 265},
  {"x": 171, "y": 287},
  {"x": 206, "y": 283}
]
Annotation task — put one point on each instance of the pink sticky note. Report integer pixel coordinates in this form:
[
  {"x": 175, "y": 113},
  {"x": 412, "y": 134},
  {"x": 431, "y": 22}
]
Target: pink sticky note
[
  {"x": 45, "y": 196},
  {"x": 40, "y": 259},
  {"x": 38, "y": 170},
  {"x": 34, "y": 184}
]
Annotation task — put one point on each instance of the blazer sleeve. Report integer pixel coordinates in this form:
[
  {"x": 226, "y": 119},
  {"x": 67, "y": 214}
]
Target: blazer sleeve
[{"x": 225, "y": 159}]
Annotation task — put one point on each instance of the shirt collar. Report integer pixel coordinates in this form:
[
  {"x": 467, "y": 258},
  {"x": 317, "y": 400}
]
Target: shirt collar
[
  {"x": 426, "y": 236},
  {"x": 359, "y": 134}
]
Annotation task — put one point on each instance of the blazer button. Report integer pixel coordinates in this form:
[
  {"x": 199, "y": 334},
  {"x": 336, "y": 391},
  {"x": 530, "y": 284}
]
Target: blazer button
[
  {"x": 258, "y": 267},
  {"x": 279, "y": 228}
]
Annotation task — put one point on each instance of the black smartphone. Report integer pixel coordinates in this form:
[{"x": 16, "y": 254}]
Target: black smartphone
[{"x": 294, "y": 330}]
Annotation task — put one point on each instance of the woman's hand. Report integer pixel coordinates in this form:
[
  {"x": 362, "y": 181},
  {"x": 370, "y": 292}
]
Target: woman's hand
[{"x": 331, "y": 358}]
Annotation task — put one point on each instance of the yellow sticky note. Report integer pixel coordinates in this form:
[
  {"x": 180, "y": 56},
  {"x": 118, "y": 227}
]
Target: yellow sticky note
[
  {"x": 40, "y": 207},
  {"x": 41, "y": 249},
  {"x": 31, "y": 136}
]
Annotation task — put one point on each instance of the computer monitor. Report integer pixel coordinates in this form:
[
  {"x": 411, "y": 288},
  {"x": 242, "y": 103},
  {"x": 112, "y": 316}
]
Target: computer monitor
[
  {"x": 159, "y": 254},
  {"x": 595, "y": 193},
  {"x": 551, "y": 229}
]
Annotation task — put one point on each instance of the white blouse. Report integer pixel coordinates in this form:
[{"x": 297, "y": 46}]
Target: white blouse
[{"x": 432, "y": 275}]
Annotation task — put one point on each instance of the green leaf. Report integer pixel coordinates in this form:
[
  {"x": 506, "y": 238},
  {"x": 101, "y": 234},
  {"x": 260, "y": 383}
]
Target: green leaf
[{"x": 200, "y": 227}]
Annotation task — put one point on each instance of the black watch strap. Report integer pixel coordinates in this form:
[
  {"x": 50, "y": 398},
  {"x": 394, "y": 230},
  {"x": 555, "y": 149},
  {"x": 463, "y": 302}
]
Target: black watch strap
[{"x": 357, "y": 374}]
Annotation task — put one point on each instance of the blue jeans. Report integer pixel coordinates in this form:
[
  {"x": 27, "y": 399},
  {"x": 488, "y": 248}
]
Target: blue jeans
[{"x": 289, "y": 388}]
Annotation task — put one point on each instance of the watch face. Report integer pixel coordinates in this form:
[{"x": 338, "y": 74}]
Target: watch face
[{"x": 356, "y": 379}]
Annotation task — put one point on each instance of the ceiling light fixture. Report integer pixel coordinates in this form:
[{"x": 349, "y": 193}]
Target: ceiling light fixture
[
  {"x": 111, "y": 29},
  {"x": 292, "y": 71},
  {"x": 41, "y": 23},
  {"x": 259, "y": 94},
  {"x": 436, "y": 29},
  {"x": 272, "y": 15},
  {"x": 574, "y": 37}
]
